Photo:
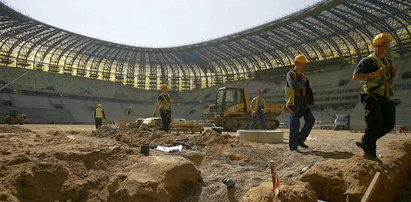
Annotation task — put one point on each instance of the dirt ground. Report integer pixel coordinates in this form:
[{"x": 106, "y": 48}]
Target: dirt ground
[{"x": 96, "y": 155}]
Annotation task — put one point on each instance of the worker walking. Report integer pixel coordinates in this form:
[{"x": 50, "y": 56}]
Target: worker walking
[
  {"x": 377, "y": 73},
  {"x": 129, "y": 110},
  {"x": 99, "y": 115},
  {"x": 164, "y": 105},
  {"x": 257, "y": 111},
  {"x": 298, "y": 97}
]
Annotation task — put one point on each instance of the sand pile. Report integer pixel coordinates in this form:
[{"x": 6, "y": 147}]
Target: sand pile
[{"x": 14, "y": 129}]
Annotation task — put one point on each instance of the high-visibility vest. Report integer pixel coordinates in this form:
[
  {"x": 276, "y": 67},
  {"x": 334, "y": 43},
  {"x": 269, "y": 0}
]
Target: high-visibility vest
[
  {"x": 165, "y": 104},
  {"x": 256, "y": 102},
  {"x": 290, "y": 93},
  {"x": 99, "y": 112},
  {"x": 380, "y": 85}
]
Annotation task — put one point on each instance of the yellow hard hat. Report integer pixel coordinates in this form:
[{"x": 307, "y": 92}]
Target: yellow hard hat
[
  {"x": 300, "y": 59},
  {"x": 382, "y": 38},
  {"x": 164, "y": 86},
  {"x": 99, "y": 105}
]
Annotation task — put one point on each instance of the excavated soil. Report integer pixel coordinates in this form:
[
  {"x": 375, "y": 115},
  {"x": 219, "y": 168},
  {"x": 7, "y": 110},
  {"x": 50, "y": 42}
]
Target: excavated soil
[
  {"x": 14, "y": 129},
  {"x": 82, "y": 164}
]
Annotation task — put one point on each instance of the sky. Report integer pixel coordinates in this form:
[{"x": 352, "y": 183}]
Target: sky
[{"x": 156, "y": 23}]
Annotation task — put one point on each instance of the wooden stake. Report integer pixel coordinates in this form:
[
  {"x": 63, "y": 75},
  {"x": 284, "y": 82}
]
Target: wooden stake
[
  {"x": 372, "y": 188},
  {"x": 274, "y": 178}
]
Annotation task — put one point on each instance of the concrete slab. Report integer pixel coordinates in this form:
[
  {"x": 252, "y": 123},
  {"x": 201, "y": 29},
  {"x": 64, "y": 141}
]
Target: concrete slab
[{"x": 261, "y": 136}]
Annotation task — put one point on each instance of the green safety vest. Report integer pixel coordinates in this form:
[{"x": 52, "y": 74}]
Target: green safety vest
[
  {"x": 165, "y": 104},
  {"x": 99, "y": 112},
  {"x": 380, "y": 85},
  {"x": 257, "y": 103},
  {"x": 290, "y": 92}
]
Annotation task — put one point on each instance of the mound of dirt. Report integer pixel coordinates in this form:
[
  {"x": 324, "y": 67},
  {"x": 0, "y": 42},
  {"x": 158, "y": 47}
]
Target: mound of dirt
[
  {"x": 137, "y": 137},
  {"x": 348, "y": 179},
  {"x": 153, "y": 178},
  {"x": 210, "y": 137},
  {"x": 104, "y": 131},
  {"x": 296, "y": 191},
  {"x": 14, "y": 129}
]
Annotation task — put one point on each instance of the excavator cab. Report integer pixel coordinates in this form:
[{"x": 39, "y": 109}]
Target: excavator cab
[{"x": 230, "y": 100}]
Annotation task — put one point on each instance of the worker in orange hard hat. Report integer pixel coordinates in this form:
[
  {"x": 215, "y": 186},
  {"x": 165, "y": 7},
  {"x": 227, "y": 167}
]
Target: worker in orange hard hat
[
  {"x": 99, "y": 116},
  {"x": 377, "y": 73},
  {"x": 164, "y": 105},
  {"x": 298, "y": 97}
]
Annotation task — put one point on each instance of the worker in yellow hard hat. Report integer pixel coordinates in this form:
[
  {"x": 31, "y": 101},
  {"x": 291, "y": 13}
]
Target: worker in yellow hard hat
[
  {"x": 164, "y": 105},
  {"x": 299, "y": 97},
  {"x": 99, "y": 116},
  {"x": 129, "y": 110},
  {"x": 377, "y": 73},
  {"x": 257, "y": 106}
]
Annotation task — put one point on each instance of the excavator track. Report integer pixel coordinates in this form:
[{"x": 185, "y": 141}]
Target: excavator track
[{"x": 234, "y": 123}]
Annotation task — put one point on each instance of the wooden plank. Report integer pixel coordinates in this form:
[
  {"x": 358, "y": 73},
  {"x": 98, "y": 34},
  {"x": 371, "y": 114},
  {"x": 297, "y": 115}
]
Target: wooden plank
[{"x": 372, "y": 188}]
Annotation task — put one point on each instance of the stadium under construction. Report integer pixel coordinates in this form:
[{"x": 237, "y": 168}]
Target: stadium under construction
[{"x": 56, "y": 76}]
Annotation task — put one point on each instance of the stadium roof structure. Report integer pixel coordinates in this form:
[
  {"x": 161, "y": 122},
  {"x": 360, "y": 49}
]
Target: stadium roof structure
[{"x": 327, "y": 30}]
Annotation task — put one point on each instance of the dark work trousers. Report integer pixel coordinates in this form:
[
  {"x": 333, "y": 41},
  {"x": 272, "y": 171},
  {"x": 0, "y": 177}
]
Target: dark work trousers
[
  {"x": 379, "y": 120},
  {"x": 296, "y": 135},
  {"x": 98, "y": 122},
  {"x": 259, "y": 116},
  {"x": 166, "y": 119}
]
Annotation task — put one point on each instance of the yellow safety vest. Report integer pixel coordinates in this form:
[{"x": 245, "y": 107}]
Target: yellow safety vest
[
  {"x": 257, "y": 103},
  {"x": 380, "y": 85},
  {"x": 165, "y": 104},
  {"x": 290, "y": 92},
  {"x": 99, "y": 112}
]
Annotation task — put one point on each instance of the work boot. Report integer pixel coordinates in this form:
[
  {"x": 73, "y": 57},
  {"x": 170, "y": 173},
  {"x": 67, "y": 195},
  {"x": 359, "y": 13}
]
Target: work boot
[
  {"x": 292, "y": 149},
  {"x": 303, "y": 145},
  {"x": 360, "y": 144},
  {"x": 372, "y": 156}
]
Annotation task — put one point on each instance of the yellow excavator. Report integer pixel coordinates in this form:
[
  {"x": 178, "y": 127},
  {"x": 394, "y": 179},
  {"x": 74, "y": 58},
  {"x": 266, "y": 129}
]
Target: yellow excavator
[
  {"x": 15, "y": 117},
  {"x": 232, "y": 108}
]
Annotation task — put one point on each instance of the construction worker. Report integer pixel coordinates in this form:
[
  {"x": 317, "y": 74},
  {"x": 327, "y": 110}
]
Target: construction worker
[
  {"x": 377, "y": 73},
  {"x": 298, "y": 97},
  {"x": 257, "y": 110},
  {"x": 129, "y": 109},
  {"x": 164, "y": 105},
  {"x": 99, "y": 115}
]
